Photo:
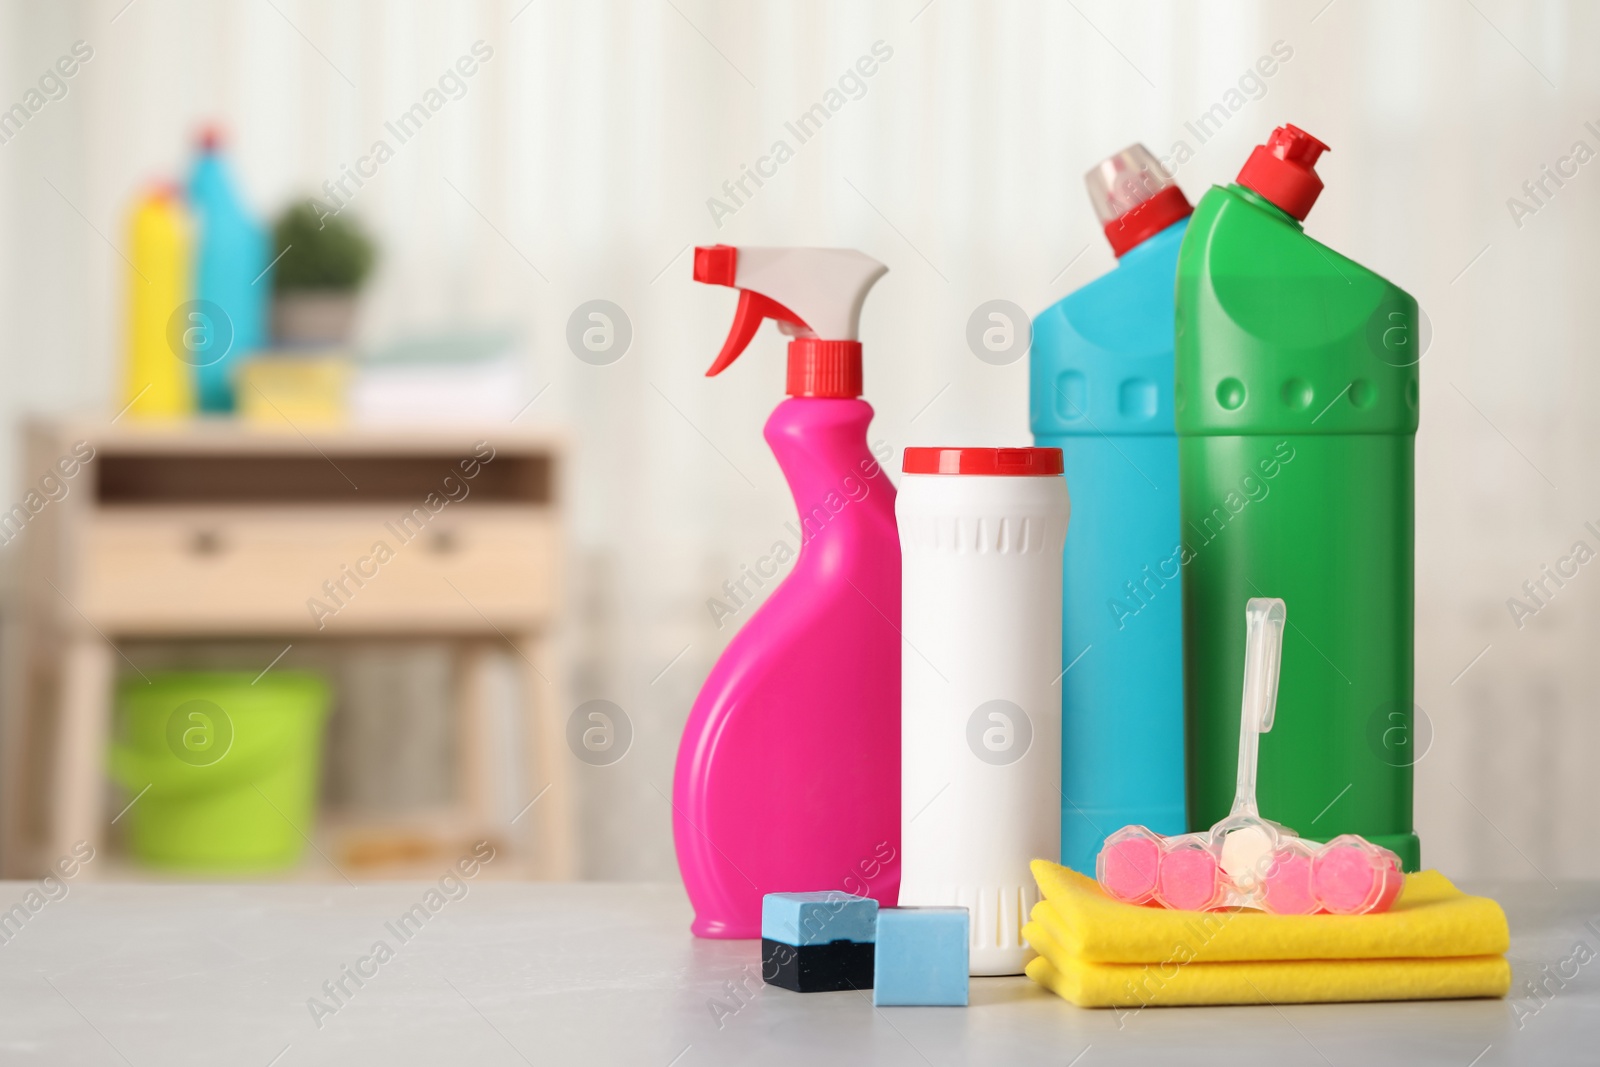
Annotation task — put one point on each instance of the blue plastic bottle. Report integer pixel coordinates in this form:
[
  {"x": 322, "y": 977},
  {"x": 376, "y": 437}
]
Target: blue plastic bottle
[
  {"x": 1100, "y": 389},
  {"x": 231, "y": 256}
]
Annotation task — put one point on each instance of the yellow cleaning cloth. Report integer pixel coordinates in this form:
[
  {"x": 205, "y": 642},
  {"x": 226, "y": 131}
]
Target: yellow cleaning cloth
[
  {"x": 1134, "y": 985},
  {"x": 1436, "y": 942}
]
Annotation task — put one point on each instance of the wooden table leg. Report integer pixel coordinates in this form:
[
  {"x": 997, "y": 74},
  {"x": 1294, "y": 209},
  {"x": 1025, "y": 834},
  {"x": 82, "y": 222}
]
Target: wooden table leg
[
  {"x": 19, "y": 699},
  {"x": 554, "y": 838},
  {"x": 83, "y": 730},
  {"x": 479, "y": 775}
]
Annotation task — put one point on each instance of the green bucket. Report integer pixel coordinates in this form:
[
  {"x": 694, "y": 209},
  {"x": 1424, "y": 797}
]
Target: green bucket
[{"x": 225, "y": 768}]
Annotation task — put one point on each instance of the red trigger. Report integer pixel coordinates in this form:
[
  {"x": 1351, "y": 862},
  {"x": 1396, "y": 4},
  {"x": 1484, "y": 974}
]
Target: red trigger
[{"x": 753, "y": 308}]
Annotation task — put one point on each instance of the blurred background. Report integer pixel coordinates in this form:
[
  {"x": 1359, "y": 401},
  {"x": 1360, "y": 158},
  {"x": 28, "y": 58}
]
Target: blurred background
[{"x": 540, "y": 157}]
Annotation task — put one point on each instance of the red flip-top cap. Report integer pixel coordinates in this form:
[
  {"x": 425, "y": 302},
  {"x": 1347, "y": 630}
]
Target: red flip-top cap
[
  {"x": 1284, "y": 170},
  {"x": 1017, "y": 462}
]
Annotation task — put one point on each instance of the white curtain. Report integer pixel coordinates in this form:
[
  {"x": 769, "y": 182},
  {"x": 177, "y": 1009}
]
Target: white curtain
[{"x": 577, "y": 164}]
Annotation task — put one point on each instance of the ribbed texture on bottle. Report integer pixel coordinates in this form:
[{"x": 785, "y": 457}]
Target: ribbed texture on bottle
[
  {"x": 824, "y": 368},
  {"x": 998, "y": 913},
  {"x": 989, "y": 535}
]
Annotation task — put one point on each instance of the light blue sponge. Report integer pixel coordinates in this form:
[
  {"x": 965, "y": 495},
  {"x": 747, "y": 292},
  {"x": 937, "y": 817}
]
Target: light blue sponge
[
  {"x": 801, "y": 919},
  {"x": 921, "y": 957}
]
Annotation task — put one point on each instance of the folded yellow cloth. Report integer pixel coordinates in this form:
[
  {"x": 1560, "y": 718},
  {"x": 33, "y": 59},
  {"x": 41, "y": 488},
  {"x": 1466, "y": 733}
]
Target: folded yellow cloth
[
  {"x": 1136, "y": 985},
  {"x": 1431, "y": 918},
  {"x": 1436, "y": 942}
]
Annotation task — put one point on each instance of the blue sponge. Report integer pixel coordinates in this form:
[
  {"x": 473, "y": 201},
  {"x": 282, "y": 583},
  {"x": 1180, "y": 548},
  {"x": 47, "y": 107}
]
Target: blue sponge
[
  {"x": 922, "y": 957},
  {"x": 802, "y": 919}
]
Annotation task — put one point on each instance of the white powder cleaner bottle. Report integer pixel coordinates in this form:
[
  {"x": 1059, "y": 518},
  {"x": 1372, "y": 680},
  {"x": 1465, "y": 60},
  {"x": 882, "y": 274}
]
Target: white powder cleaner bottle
[{"x": 981, "y": 534}]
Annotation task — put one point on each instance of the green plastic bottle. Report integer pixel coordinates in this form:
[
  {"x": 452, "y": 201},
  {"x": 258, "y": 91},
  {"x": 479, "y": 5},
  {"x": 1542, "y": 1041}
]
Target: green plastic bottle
[{"x": 1296, "y": 399}]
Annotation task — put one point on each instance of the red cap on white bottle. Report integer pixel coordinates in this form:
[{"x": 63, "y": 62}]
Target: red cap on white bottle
[{"x": 1015, "y": 462}]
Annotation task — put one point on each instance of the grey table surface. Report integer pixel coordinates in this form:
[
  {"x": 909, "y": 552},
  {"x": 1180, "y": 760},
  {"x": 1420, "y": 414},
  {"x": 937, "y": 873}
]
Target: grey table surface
[{"x": 510, "y": 973}]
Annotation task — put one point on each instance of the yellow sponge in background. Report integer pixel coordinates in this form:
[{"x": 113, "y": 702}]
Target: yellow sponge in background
[{"x": 294, "y": 388}]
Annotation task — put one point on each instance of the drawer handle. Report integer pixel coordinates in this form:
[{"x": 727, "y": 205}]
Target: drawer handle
[
  {"x": 205, "y": 543},
  {"x": 443, "y": 542}
]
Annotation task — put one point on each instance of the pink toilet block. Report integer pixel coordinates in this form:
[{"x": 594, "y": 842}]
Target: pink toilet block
[
  {"x": 1287, "y": 888},
  {"x": 1349, "y": 879},
  {"x": 1128, "y": 868},
  {"x": 1189, "y": 879}
]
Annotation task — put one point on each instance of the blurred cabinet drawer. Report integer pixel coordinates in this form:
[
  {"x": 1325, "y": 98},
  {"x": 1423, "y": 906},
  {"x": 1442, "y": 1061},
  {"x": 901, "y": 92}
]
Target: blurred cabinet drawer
[{"x": 332, "y": 570}]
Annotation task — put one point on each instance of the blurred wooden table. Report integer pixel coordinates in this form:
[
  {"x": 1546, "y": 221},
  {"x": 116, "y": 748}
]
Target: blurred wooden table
[{"x": 218, "y": 528}]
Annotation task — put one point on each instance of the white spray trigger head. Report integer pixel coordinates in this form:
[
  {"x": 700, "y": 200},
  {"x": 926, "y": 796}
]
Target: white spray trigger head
[{"x": 808, "y": 292}]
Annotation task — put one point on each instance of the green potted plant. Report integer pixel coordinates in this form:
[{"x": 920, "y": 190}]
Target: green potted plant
[{"x": 322, "y": 260}]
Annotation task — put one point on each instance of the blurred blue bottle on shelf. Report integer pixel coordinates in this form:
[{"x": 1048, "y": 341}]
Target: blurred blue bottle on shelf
[
  {"x": 1100, "y": 389},
  {"x": 228, "y": 317}
]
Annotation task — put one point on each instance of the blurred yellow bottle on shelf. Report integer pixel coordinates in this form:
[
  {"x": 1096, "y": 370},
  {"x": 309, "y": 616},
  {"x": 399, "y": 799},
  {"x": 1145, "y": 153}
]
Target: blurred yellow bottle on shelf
[{"x": 159, "y": 382}]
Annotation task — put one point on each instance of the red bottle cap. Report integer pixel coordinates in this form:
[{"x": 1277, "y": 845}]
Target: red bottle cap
[
  {"x": 824, "y": 368},
  {"x": 1284, "y": 170},
  {"x": 1148, "y": 219},
  {"x": 1134, "y": 197},
  {"x": 1018, "y": 462}
]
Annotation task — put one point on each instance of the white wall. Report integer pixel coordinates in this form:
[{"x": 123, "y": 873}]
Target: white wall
[{"x": 588, "y": 147}]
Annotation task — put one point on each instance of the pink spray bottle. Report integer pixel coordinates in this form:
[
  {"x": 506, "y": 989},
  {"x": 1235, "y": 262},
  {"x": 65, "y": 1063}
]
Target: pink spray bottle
[{"x": 788, "y": 775}]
